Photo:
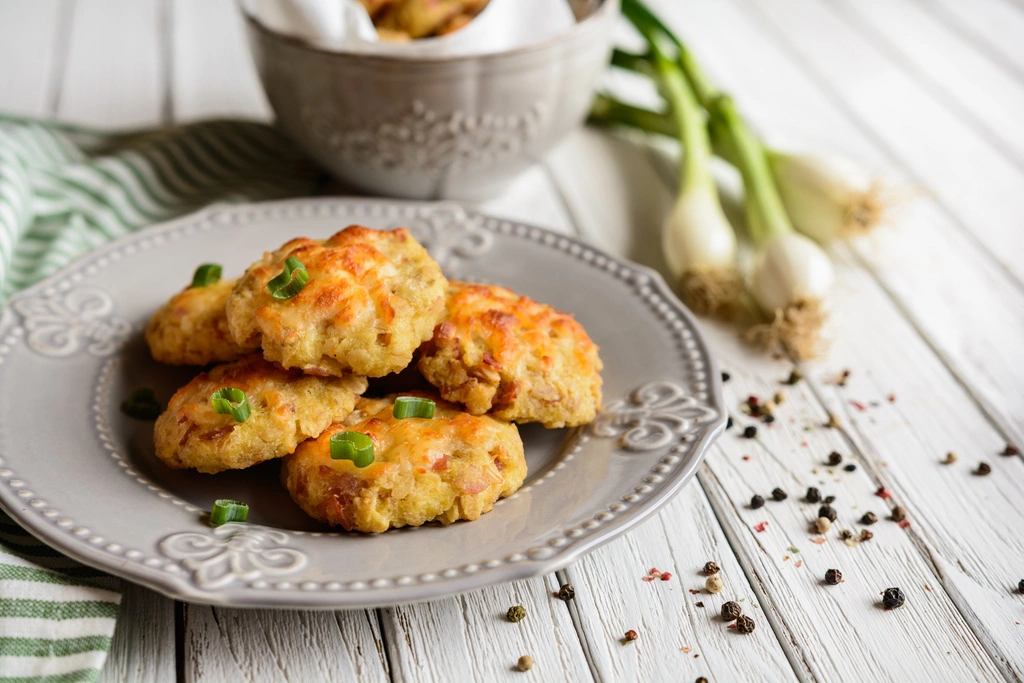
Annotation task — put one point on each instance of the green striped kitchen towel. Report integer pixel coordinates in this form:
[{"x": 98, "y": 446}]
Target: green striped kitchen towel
[{"x": 64, "y": 191}]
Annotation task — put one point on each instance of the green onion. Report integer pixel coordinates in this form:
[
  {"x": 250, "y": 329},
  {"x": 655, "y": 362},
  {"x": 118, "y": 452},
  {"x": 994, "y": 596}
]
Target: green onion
[
  {"x": 206, "y": 275},
  {"x": 225, "y": 510},
  {"x": 291, "y": 280},
  {"x": 231, "y": 401},
  {"x": 413, "y": 406},
  {"x": 142, "y": 405},
  {"x": 354, "y": 446}
]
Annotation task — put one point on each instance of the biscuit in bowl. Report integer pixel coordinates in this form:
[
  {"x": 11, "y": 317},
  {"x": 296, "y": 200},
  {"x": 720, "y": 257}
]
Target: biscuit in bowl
[
  {"x": 504, "y": 354},
  {"x": 372, "y": 297},
  {"x": 192, "y": 328},
  {"x": 449, "y": 467},
  {"x": 286, "y": 408}
]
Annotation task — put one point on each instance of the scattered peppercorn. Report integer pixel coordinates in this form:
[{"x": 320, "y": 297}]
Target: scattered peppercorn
[
  {"x": 1020, "y": 586},
  {"x": 834, "y": 458},
  {"x": 745, "y": 624},
  {"x": 779, "y": 494},
  {"x": 726, "y": 377},
  {"x": 566, "y": 592},
  {"x": 869, "y": 518},
  {"x": 516, "y": 613},
  {"x": 833, "y": 422},
  {"x": 731, "y": 610},
  {"x": 714, "y": 584},
  {"x": 850, "y": 468},
  {"x": 630, "y": 636},
  {"x": 950, "y": 458},
  {"x": 699, "y": 604},
  {"x": 702, "y": 679},
  {"x": 525, "y": 663},
  {"x": 768, "y": 419},
  {"x": 728, "y": 423},
  {"x": 822, "y": 525},
  {"x": 983, "y": 469},
  {"x": 779, "y": 397},
  {"x": 768, "y": 408},
  {"x": 899, "y": 513},
  {"x": 1010, "y": 450},
  {"x": 893, "y": 598},
  {"x": 833, "y": 577},
  {"x": 710, "y": 569},
  {"x": 750, "y": 431},
  {"x": 829, "y": 500},
  {"x": 866, "y": 535},
  {"x": 845, "y": 534},
  {"x": 828, "y": 512},
  {"x": 756, "y": 502},
  {"x": 794, "y": 376},
  {"x": 813, "y": 495}
]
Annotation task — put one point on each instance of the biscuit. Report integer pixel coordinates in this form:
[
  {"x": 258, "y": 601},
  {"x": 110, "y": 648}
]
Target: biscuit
[{"x": 192, "y": 328}]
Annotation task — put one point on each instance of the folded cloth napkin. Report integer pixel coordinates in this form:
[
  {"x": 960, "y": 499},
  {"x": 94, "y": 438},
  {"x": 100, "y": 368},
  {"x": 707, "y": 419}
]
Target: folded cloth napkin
[{"x": 64, "y": 191}]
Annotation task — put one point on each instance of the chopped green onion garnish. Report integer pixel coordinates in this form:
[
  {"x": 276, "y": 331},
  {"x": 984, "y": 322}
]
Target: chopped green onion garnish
[
  {"x": 291, "y": 280},
  {"x": 231, "y": 401},
  {"x": 413, "y": 406},
  {"x": 142, "y": 405},
  {"x": 225, "y": 511},
  {"x": 206, "y": 275},
  {"x": 354, "y": 446}
]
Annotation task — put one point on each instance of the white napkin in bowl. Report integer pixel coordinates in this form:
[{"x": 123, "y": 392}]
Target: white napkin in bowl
[{"x": 344, "y": 26}]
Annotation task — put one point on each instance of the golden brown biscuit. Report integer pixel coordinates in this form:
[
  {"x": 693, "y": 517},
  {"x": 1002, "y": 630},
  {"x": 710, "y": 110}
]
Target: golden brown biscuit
[
  {"x": 507, "y": 355},
  {"x": 287, "y": 407},
  {"x": 372, "y": 298},
  {"x": 450, "y": 467},
  {"x": 192, "y": 328}
]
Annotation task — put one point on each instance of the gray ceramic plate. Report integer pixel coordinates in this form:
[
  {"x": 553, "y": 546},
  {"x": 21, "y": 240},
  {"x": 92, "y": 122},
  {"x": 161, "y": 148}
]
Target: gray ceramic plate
[{"x": 83, "y": 478}]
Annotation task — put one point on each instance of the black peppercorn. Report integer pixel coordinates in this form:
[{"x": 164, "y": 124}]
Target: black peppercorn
[
  {"x": 725, "y": 377},
  {"x": 846, "y": 534},
  {"x": 1020, "y": 586},
  {"x": 516, "y": 613},
  {"x": 744, "y": 624},
  {"x": 731, "y": 611},
  {"x": 710, "y": 569},
  {"x": 834, "y": 458},
  {"x": 779, "y": 494},
  {"x": 702, "y": 679},
  {"x": 1010, "y": 450},
  {"x": 829, "y": 500},
  {"x": 898, "y": 514},
  {"x": 833, "y": 577},
  {"x": 756, "y": 502},
  {"x": 728, "y": 423},
  {"x": 750, "y": 431},
  {"x": 983, "y": 469},
  {"x": 850, "y": 468},
  {"x": 768, "y": 419},
  {"x": 566, "y": 592},
  {"x": 813, "y": 495},
  {"x": 893, "y": 598},
  {"x": 869, "y": 518},
  {"x": 828, "y": 512}
]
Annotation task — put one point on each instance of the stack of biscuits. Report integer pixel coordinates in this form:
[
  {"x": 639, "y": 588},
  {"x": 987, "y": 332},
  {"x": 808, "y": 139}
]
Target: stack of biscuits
[{"x": 372, "y": 303}]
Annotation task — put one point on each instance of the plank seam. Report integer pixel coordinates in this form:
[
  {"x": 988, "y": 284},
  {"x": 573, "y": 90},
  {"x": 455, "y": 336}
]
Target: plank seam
[
  {"x": 377, "y": 627},
  {"x": 562, "y": 576}
]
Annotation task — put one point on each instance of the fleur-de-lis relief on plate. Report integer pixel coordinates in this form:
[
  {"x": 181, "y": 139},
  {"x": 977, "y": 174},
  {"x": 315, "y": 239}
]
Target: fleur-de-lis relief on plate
[
  {"x": 450, "y": 235},
  {"x": 233, "y": 552},
  {"x": 651, "y": 417},
  {"x": 60, "y": 324},
  {"x": 419, "y": 139}
]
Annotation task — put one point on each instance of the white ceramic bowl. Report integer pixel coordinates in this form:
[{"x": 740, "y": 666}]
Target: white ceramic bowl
[{"x": 455, "y": 127}]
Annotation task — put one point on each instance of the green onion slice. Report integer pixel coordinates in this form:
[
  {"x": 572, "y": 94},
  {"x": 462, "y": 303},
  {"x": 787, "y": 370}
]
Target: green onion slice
[
  {"x": 291, "y": 280},
  {"x": 231, "y": 401},
  {"x": 354, "y": 446},
  {"x": 206, "y": 275},
  {"x": 142, "y": 405},
  {"x": 413, "y": 406},
  {"x": 225, "y": 510}
]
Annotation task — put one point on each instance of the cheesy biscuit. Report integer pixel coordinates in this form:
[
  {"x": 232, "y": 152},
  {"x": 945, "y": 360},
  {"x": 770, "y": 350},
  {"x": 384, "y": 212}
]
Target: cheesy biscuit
[{"x": 192, "y": 328}]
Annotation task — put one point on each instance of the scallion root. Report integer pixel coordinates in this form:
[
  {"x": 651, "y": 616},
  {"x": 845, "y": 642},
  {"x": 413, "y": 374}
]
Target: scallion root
[
  {"x": 795, "y": 330},
  {"x": 712, "y": 292}
]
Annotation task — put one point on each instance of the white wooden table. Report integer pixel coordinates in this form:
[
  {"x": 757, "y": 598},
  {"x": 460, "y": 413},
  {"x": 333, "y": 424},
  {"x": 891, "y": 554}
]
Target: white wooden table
[{"x": 929, "y": 320}]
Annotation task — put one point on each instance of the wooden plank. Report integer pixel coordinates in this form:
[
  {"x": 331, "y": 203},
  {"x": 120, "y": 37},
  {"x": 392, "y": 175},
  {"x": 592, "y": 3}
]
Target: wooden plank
[
  {"x": 30, "y": 54},
  {"x": 979, "y": 90},
  {"x": 856, "y": 631},
  {"x": 287, "y": 645},
  {"x": 212, "y": 72},
  {"x": 115, "y": 74},
  {"x": 678, "y": 640},
  {"x": 143, "y": 646},
  {"x": 995, "y": 26}
]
